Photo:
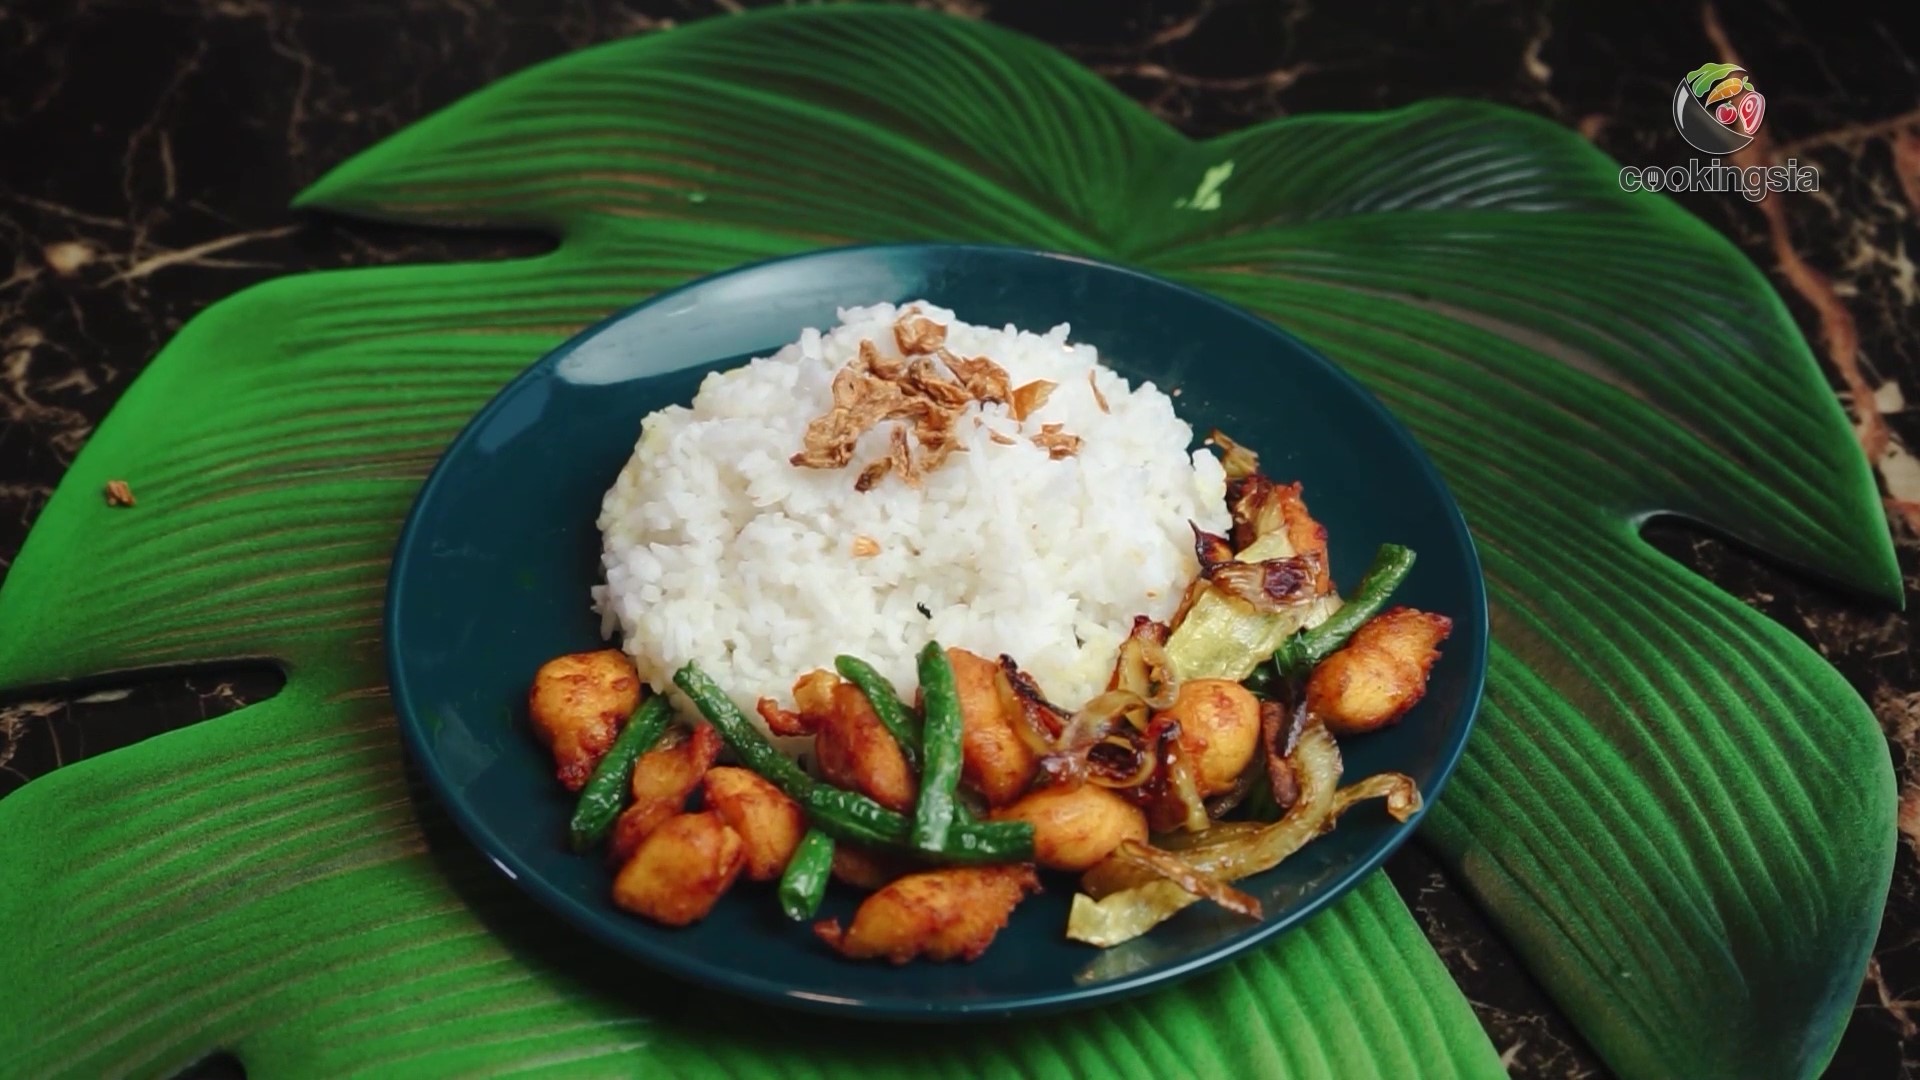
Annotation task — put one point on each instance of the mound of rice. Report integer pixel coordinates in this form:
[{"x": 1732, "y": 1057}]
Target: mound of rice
[{"x": 716, "y": 549}]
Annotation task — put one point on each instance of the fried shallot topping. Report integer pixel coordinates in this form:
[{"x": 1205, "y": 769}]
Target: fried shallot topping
[
  {"x": 1028, "y": 399},
  {"x": 912, "y": 392},
  {"x": 934, "y": 432},
  {"x": 984, "y": 379},
  {"x": 1057, "y": 443},
  {"x": 944, "y": 393},
  {"x": 918, "y": 334},
  {"x": 900, "y": 455},
  {"x": 861, "y": 399},
  {"x": 871, "y": 476},
  {"x": 878, "y": 364}
]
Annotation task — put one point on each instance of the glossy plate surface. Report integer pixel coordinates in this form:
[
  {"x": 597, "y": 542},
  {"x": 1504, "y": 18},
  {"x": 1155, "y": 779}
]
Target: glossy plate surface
[{"x": 491, "y": 578}]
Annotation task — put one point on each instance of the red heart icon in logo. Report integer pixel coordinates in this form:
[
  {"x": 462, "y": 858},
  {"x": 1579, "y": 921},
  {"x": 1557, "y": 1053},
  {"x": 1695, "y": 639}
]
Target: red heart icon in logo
[
  {"x": 1725, "y": 113},
  {"x": 1752, "y": 108}
]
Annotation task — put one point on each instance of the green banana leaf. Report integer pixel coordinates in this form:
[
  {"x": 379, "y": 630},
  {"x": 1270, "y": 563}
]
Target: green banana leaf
[{"x": 1680, "y": 816}]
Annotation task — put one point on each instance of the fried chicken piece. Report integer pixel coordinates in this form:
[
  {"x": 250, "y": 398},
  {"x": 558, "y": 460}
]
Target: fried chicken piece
[
  {"x": 865, "y": 868},
  {"x": 663, "y": 779},
  {"x": 812, "y": 701},
  {"x": 1308, "y": 537},
  {"x": 1380, "y": 673},
  {"x": 1074, "y": 827},
  {"x": 813, "y": 696},
  {"x": 681, "y": 869},
  {"x": 578, "y": 704},
  {"x": 945, "y": 914},
  {"x": 1219, "y": 730},
  {"x": 781, "y": 721},
  {"x": 994, "y": 759},
  {"x": 769, "y": 823},
  {"x": 855, "y": 750}
]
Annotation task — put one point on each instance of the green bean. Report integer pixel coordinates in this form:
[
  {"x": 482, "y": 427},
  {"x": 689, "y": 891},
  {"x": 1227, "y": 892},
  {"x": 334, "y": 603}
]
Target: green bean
[
  {"x": 940, "y": 736},
  {"x": 886, "y": 705},
  {"x": 897, "y": 717},
  {"x": 1303, "y": 651},
  {"x": 605, "y": 791},
  {"x": 805, "y": 880},
  {"x": 1261, "y": 679},
  {"x": 845, "y": 815}
]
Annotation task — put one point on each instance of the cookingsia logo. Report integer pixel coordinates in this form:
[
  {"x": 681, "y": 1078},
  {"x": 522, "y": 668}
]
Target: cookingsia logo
[{"x": 1718, "y": 111}]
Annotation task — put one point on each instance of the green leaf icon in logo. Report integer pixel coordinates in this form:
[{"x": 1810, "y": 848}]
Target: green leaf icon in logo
[{"x": 1706, "y": 75}]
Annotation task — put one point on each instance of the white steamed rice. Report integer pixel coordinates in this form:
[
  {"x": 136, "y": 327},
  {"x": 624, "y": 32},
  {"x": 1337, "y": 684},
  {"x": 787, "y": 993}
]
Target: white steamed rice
[{"x": 716, "y": 549}]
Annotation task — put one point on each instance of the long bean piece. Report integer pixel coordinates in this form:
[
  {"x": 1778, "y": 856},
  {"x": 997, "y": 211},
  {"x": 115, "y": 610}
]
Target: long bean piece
[
  {"x": 805, "y": 880},
  {"x": 893, "y": 713},
  {"x": 845, "y": 815},
  {"x": 897, "y": 717},
  {"x": 605, "y": 792},
  {"x": 940, "y": 739},
  {"x": 1303, "y": 651}
]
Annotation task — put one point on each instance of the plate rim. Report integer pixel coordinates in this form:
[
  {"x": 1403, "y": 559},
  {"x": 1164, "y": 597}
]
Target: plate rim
[{"x": 415, "y": 735}]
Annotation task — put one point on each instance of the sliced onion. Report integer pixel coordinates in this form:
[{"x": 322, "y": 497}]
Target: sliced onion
[
  {"x": 1401, "y": 793},
  {"x": 1024, "y": 723},
  {"x": 1257, "y": 505},
  {"x": 1141, "y": 763},
  {"x": 1099, "y": 717},
  {"x": 1270, "y": 586},
  {"x": 1065, "y": 762},
  {"x": 1210, "y": 550},
  {"x": 1237, "y": 461},
  {"x": 1194, "y": 589},
  {"x": 1279, "y": 732},
  {"x": 1183, "y": 786},
  {"x": 1142, "y": 666},
  {"x": 1219, "y": 806},
  {"x": 1037, "y": 721},
  {"x": 1170, "y": 867},
  {"x": 1221, "y": 833},
  {"x": 1121, "y": 901}
]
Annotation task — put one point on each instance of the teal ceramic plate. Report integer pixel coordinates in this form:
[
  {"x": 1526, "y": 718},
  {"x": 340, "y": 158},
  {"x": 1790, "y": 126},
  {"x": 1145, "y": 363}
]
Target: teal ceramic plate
[{"x": 491, "y": 575}]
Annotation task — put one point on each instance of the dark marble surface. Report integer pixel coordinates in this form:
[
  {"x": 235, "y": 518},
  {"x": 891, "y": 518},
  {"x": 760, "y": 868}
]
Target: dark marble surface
[{"x": 148, "y": 151}]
